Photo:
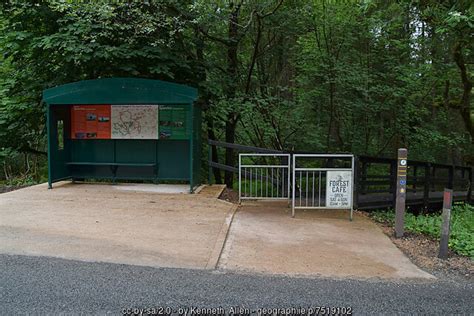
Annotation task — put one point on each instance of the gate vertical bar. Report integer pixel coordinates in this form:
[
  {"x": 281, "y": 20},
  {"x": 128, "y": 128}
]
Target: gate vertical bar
[
  {"x": 294, "y": 189},
  {"x": 301, "y": 185},
  {"x": 245, "y": 181},
  {"x": 266, "y": 184},
  {"x": 240, "y": 177},
  {"x": 306, "y": 188},
  {"x": 288, "y": 181},
  {"x": 352, "y": 193},
  {"x": 319, "y": 189},
  {"x": 250, "y": 182}
]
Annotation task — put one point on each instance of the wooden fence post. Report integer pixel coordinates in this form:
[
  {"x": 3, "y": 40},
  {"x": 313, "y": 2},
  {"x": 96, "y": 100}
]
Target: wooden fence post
[
  {"x": 209, "y": 160},
  {"x": 415, "y": 178},
  {"x": 356, "y": 183},
  {"x": 363, "y": 174},
  {"x": 427, "y": 186},
  {"x": 469, "y": 192},
  {"x": 445, "y": 225},
  {"x": 451, "y": 177}
]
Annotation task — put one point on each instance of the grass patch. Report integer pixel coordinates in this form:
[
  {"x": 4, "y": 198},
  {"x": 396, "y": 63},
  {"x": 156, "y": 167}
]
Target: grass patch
[{"x": 462, "y": 226}]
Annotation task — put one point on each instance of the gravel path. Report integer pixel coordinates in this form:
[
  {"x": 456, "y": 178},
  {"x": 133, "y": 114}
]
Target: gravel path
[{"x": 38, "y": 285}]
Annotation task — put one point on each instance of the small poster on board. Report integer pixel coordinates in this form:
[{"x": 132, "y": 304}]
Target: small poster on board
[
  {"x": 90, "y": 122},
  {"x": 172, "y": 122},
  {"x": 339, "y": 189}
]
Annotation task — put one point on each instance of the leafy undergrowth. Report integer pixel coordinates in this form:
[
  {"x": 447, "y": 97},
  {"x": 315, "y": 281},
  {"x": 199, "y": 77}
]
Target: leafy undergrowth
[
  {"x": 462, "y": 226},
  {"x": 17, "y": 183}
]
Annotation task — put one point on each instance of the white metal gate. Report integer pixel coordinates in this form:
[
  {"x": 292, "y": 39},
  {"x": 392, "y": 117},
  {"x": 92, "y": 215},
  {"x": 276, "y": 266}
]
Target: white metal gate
[
  {"x": 316, "y": 187},
  {"x": 272, "y": 176},
  {"x": 264, "y": 176}
]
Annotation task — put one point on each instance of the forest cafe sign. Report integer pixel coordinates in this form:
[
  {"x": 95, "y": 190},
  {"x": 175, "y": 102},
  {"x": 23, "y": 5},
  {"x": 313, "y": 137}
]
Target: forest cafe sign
[{"x": 339, "y": 189}]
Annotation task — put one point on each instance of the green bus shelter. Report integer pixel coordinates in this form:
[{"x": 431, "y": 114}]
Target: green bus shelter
[{"x": 123, "y": 129}]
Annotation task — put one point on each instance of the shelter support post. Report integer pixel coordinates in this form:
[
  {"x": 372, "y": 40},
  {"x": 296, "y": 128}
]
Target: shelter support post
[
  {"x": 48, "y": 128},
  {"x": 191, "y": 151}
]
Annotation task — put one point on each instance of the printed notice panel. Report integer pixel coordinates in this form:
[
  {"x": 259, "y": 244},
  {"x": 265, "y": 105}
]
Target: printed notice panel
[
  {"x": 129, "y": 122},
  {"x": 173, "y": 122},
  {"x": 90, "y": 122},
  {"x": 339, "y": 189},
  {"x": 135, "y": 121}
]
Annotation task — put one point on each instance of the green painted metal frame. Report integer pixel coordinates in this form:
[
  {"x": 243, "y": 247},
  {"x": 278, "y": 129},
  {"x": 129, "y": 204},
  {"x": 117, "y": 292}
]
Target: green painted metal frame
[{"x": 129, "y": 91}]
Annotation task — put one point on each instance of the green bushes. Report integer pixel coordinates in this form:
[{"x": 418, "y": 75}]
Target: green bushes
[{"x": 462, "y": 226}]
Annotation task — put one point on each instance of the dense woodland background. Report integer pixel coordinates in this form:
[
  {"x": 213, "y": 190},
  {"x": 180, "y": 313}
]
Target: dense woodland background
[{"x": 364, "y": 77}]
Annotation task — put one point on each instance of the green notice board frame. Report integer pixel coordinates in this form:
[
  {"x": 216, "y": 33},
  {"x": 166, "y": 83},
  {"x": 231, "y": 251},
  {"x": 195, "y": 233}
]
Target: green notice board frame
[{"x": 175, "y": 154}]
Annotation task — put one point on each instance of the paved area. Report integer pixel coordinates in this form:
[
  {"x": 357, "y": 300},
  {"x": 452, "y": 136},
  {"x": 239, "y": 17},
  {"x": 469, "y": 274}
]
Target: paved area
[
  {"x": 40, "y": 285},
  {"x": 264, "y": 238},
  {"x": 114, "y": 223},
  {"x": 213, "y": 190},
  {"x": 135, "y": 224},
  {"x": 153, "y": 188}
]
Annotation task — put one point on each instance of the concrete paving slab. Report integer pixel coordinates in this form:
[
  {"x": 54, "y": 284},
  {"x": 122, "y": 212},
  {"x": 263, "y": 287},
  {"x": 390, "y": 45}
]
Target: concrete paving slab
[
  {"x": 153, "y": 188},
  {"x": 264, "y": 238},
  {"x": 113, "y": 223}
]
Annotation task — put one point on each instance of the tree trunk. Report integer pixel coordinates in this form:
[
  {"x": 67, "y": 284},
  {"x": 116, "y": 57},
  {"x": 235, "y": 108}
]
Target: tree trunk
[
  {"x": 214, "y": 155},
  {"x": 204, "y": 101},
  {"x": 232, "y": 116},
  {"x": 465, "y": 106}
]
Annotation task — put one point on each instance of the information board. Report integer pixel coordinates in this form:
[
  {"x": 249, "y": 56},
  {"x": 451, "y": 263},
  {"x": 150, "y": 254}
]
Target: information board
[
  {"x": 90, "y": 122},
  {"x": 173, "y": 123},
  {"x": 134, "y": 122},
  {"x": 339, "y": 189},
  {"x": 129, "y": 122}
]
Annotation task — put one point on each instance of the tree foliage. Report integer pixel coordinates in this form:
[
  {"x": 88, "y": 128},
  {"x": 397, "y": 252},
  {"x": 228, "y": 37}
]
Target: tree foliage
[{"x": 329, "y": 76}]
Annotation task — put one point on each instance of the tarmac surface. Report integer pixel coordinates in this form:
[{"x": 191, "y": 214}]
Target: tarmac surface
[
  {"x": 264, "y": 238},
  {"x": 42, "y": 285}
]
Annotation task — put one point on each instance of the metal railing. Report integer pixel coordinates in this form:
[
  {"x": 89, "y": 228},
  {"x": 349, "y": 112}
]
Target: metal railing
[
  {"x": 264, "y": 176},
  {"x": 310, "y": 184}
]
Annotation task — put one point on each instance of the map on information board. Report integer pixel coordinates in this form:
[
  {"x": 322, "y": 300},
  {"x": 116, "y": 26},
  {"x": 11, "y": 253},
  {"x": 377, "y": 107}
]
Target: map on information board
[
  {"x": 134, "y": 122},
  {"x": 339, "y": 189}
]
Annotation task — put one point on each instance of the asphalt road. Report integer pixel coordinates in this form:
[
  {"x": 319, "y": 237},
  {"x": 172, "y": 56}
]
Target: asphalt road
[{"x": 39, "y": 285}]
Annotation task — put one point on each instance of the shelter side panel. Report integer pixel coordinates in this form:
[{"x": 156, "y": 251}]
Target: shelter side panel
[
  {"x": 59, "y": 144},
  {"x": 173, "y": 159}
]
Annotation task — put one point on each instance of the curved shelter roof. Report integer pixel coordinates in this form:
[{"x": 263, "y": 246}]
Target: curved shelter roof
[{"x": 120, "y": 91}]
